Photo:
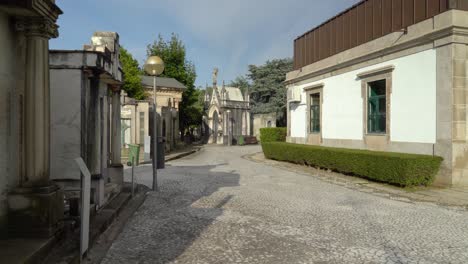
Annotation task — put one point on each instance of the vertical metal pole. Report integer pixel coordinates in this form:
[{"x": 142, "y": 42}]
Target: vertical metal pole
[
  {"x": 133, "y": 177},
  {"x": 155, "y": 139}
]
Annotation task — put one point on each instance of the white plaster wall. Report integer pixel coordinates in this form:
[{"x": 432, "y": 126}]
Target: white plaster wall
[
  {"x": 413, "y": 102},
  {"x": 298, "y": 119},
  {"x": 413, "y": 115},
  {"x": 342, "y": 108},
  {"x": 7, "y": 83},
  {"x": 65, "y": 134}
]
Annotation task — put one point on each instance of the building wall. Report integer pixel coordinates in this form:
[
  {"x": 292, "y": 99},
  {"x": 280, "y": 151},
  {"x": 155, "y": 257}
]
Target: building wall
[
  {"x": 142, "y": 109},
  {"x": 8, "y": 177},
  {"x": 65, "y": 133},
  {"x": 138, "y": 130},
  {"x": 298, "y": 119},
  {"x": 163, "y": 95},
  {"x": 261, "y": 121},
  {"x": 413, "y": 102},
  {"x": 127, "y": 114}
]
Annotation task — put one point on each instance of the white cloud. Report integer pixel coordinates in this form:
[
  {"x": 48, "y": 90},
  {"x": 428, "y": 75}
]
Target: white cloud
[{"x": 241, "y": 32}]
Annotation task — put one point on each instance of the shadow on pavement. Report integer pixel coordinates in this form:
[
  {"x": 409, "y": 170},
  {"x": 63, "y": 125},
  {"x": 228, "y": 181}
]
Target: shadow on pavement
[{"x": 172, "y": 219}]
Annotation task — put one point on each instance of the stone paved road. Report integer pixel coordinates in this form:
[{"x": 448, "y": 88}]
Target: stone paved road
[{"x": 216, "y": 207}]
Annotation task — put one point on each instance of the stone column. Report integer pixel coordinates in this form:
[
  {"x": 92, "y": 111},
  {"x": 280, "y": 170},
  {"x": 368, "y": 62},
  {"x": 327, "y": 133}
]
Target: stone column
[
  {"x": 116, "y": 168},
  {"x": 93, "y": 129},
  {"x": 248, "y": 123},
  {"x": 36, "y": 207},
  {"x": 116, "y": 124},
  {"x": 36, "y": 101},
  {"x": 244, "y": 122},
  {"x": 229, "y": 127}
]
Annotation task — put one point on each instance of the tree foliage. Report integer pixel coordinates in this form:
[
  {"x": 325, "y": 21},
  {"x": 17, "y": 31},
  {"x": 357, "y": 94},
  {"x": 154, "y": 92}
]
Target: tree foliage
[
  {"x": 173, "y": 53},
  {"x": 240, "y": 82},
  {"x": 267, "y": 91},
  {"x": 132, "y": 75}
]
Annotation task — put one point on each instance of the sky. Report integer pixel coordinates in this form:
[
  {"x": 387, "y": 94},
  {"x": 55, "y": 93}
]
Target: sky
[{"x": 227, "y": 34}]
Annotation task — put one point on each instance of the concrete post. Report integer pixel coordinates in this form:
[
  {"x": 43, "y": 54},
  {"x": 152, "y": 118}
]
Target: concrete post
[
  {"x": 116, "y": 168},
  {"x": 116, "y": 124},
  {"x": 248, "y": 123},
  {"x": 229, "y": 127}
]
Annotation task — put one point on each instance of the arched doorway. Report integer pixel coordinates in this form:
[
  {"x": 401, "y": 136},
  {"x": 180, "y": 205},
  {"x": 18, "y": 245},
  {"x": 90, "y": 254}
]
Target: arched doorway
[{"x": 215, "y": 127}]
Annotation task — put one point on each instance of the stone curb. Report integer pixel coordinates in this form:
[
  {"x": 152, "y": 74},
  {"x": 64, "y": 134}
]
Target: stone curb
[
  {"x": 176, "y": 156},
  {"x": 104, "y": 241},
  {"x": 185, "y": 154},
  {"x": 360, "y": 184},
  {"x": 100, "y": 223}
]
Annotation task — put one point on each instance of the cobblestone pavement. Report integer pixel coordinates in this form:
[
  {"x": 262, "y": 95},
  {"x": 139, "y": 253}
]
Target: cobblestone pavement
[{"x": 216, "y": 207}]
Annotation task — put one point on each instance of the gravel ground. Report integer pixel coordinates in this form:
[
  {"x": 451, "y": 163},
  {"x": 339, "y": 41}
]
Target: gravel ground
[{"x": 216, "y": 207}]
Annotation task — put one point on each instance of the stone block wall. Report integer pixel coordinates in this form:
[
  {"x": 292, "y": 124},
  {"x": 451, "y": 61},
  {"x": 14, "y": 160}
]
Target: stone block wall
[
  {"x": 261, "y": 121},
  {"x": 459, "y": 85},
  {"x": 452, "y": 112}
]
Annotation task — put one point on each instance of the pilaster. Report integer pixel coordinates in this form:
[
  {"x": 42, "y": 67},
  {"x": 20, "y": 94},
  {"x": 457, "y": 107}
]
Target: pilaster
[
  {"x": 116, "y": 168},
  {"x": 459, "y": 114},
  {"x": 116, "y": 124},
  {"x": 452, "y": 112},
  {"x": 36, "y": 206}
]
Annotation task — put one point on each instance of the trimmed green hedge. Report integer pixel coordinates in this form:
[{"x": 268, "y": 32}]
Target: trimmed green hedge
[
  {"x": 272, "y": 134},
  {"x": 394, "y": 168}
]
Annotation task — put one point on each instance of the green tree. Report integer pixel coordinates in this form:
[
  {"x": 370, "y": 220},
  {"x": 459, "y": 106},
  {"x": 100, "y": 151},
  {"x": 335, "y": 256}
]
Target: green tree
[
  {"x": 240, "y": 82},
  {"x": 267, "y": 91},
  {"x": 173, "y": 53},
  {"x": 132, "y": 75}
]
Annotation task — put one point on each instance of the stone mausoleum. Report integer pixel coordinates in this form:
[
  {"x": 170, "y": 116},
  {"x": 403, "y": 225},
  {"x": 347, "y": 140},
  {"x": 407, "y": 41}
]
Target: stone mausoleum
[
  {"x": 31, "y": 205},
  {"x": 227, "y": 114},
  {"x": 136, "y": 128},
  {"x": 85, "y": 117}
]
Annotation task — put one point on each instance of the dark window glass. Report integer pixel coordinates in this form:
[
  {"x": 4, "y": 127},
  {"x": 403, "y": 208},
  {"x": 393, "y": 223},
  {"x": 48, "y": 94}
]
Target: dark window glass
[
  {"x": 377, "y": 107},
  {"x": 315, "y": 113}
]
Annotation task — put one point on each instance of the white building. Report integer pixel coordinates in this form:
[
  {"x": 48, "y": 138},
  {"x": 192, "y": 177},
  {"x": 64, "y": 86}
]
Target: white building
[{"x": 396, "y": 83}]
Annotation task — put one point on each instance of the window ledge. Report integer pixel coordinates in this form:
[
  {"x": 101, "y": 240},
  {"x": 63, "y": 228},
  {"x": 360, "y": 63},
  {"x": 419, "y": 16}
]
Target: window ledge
[
  {"x": 315, "y": 86},
  {"x": 378, "y": 71},
  {"x": 376, "y": 134}
]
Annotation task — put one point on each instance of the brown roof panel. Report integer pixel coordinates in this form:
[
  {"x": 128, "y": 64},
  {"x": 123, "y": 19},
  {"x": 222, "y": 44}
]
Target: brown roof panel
[{"x": 363, "y": 22}]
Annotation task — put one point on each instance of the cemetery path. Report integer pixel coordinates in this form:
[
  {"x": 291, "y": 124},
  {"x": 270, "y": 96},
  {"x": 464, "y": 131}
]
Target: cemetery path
[{"x": 217, "y": 207}]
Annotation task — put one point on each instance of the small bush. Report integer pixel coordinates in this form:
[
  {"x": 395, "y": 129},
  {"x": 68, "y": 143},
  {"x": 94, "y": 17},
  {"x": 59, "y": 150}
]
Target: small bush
[
  {"x": 273, "y": 134},
  {"x": 394, "y": 168}
]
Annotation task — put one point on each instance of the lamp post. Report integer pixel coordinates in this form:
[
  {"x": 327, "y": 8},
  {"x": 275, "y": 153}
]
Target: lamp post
[{"x": 154, "y": 66}]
